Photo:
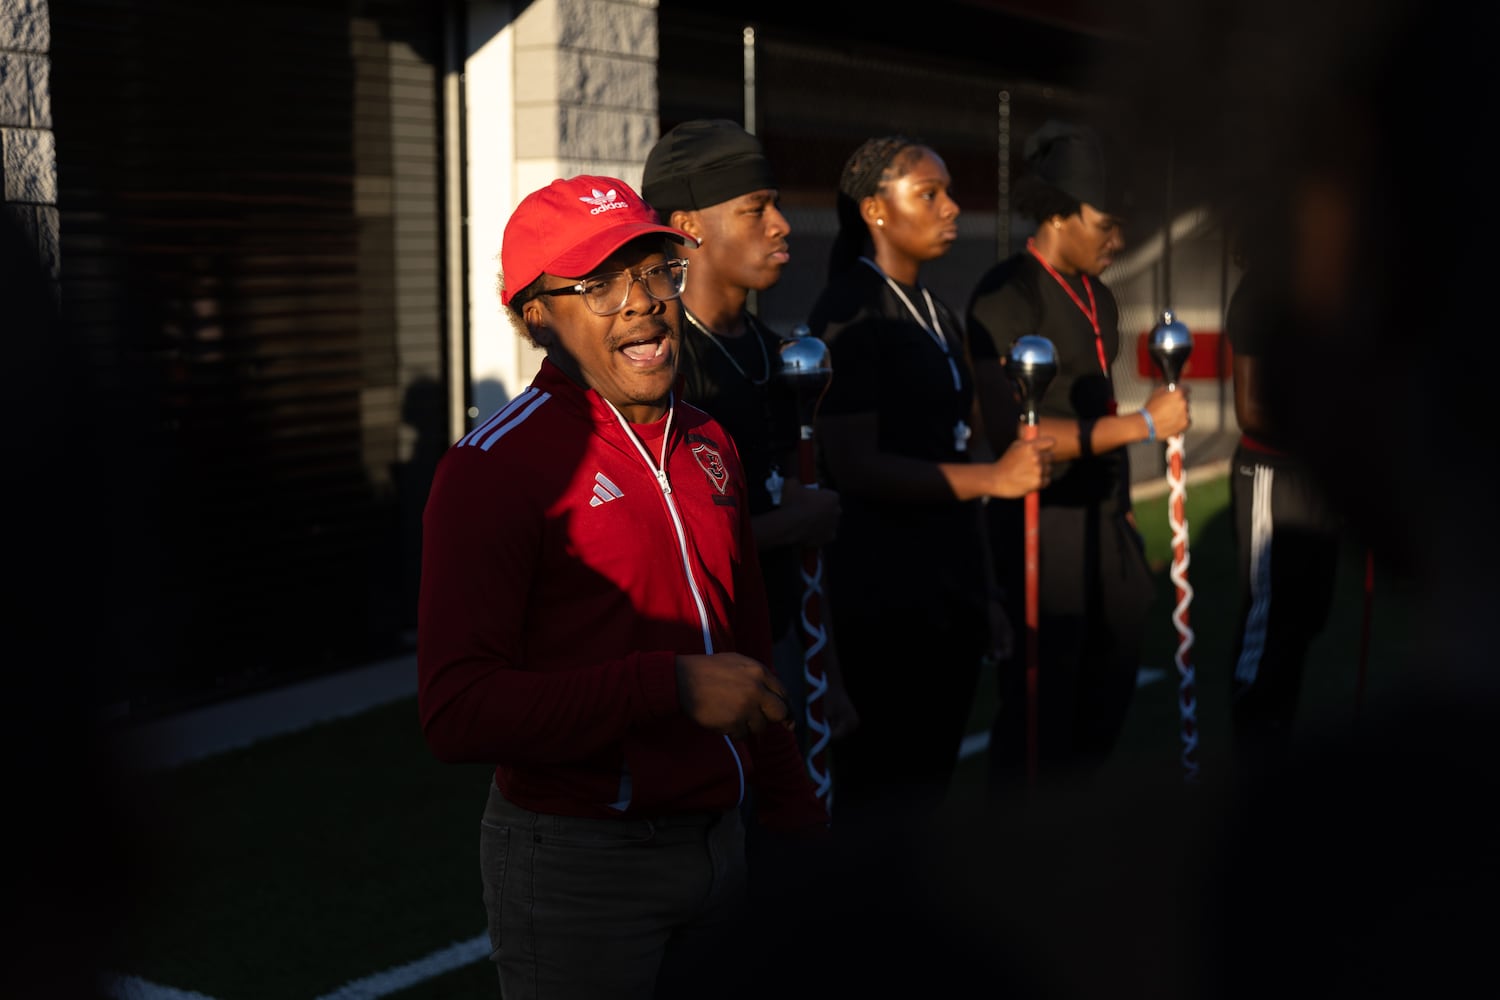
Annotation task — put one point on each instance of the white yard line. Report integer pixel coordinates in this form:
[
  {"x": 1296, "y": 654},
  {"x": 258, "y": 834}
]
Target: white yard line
[
  {"x": 402, "y": 977},
  {"x": 381, "y": 984},
  {"x": 134, "y": 988},
  {"x": 393, "y": 680},
  {"x": 240, "y": 722}
]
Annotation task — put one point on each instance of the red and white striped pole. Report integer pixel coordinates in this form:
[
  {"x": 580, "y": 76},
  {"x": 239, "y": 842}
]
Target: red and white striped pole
[
  {"x": 805, "y": 365},
  {"x": 1032, "y": 363},
  {"x": 1171, "y": 343}
]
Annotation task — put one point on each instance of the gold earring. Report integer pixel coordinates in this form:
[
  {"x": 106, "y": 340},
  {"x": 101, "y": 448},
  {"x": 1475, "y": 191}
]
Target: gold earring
[{"x": 1056, "y": 223}]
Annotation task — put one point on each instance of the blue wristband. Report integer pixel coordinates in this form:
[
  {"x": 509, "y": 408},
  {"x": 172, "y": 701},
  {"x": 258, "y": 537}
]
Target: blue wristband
[{"x": 1150, "y": 425}]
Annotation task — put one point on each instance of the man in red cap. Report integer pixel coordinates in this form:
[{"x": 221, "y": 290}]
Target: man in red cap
[{"x": 592, "y": 621}]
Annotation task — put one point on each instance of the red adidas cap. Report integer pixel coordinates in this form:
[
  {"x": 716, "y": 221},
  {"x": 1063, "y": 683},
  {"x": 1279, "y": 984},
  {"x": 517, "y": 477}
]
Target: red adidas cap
[{"x": 571, "y": 225}]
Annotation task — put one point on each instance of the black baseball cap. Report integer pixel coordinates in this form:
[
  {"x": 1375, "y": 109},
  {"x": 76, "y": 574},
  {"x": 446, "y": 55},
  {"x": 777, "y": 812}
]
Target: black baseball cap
[
  {"x": 704, "y": 162},
  {"x": 1072, "y": 159}
]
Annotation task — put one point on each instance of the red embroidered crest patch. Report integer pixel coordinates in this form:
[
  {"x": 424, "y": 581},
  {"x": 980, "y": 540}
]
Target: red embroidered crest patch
[{"x": 713, "y": 464}]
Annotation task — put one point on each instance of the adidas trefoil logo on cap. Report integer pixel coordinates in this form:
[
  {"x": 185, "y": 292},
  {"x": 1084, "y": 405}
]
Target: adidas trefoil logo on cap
[{"x": 603, "y": 201}]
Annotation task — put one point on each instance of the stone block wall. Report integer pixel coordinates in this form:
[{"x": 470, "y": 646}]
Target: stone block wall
[
  {"x": 553, "y": 88},
  {"x": 28, "y": 157},
  {"x": 585, "y": 99}
]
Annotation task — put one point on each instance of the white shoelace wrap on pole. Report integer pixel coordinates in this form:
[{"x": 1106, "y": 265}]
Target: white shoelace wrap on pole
[
  {"x": 805, "y": 362},
  {"x": 1187, "y": 698},
  {"x": 817, "y": 683}
]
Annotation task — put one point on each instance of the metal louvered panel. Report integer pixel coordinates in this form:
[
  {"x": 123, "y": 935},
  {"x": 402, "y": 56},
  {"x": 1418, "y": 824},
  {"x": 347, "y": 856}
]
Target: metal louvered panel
[{"x": 251, "y": 227}]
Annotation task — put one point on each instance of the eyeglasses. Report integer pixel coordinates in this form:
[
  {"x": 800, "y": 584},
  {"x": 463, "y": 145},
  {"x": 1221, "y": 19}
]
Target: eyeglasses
[{"x": 606, "y": 294}]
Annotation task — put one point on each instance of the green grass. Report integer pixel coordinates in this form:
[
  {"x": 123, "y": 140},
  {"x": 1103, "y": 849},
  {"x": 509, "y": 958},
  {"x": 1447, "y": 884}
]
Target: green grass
[
  {"x": 1329, "y": 696},
  {"x": 304, "y": 862},
  {"x": 289, "y": 868},
  {"x": 1151, "y": 745}
]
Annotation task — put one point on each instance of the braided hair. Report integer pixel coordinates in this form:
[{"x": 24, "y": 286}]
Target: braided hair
[{"x": 868, "y": 168}]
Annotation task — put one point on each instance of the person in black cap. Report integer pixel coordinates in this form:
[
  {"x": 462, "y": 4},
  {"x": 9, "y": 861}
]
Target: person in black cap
[
  {"x": 711, "y": 179},
  {"x": 1094, "y": 586}
]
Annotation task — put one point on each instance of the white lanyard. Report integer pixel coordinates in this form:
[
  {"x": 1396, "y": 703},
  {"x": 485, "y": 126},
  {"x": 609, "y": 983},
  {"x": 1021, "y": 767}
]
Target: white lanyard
[
  {"x": 961, "y": 431},
  {"x": 934, "y": 330}
]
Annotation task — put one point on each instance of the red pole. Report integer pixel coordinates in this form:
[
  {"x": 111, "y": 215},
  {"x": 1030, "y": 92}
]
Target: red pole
[
  {"x": 1031, "y": 365},
  {"x": 1033, "y": 504}
]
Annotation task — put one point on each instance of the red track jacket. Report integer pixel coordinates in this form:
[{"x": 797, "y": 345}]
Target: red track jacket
[{"x": 560, "y": 578}]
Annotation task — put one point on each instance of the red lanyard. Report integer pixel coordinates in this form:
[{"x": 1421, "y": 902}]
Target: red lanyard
[{"x": 1090, "y": 311}]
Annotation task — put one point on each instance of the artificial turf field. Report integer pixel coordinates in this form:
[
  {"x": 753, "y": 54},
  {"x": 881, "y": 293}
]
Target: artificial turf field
[{"x": 316, "y": 860}]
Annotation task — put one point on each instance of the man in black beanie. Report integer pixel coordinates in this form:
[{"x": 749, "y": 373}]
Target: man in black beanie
[
  {"x": 711, "y": 179},
  {"x": 1094, "y": 586}
]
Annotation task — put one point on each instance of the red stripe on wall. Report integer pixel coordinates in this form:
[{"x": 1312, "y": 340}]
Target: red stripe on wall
[{"x": 1210, "y": 357}]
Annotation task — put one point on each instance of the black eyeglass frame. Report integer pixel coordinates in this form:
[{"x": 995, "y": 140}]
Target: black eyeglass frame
[{"x": 581, "y": 287}]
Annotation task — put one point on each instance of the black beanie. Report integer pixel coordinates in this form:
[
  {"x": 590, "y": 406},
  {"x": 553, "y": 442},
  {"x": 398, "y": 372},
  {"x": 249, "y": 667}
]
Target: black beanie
[
  {"x": 1071, "y": 159},
  {"x": 701, "y": 163}
]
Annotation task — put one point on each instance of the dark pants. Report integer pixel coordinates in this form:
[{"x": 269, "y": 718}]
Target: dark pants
[
  {"x": 1094, "y": 588},
  {"x": 1287, "y": 545},
  {"x": 610, "y": 908},
  {"x": 912, "y": 681}
]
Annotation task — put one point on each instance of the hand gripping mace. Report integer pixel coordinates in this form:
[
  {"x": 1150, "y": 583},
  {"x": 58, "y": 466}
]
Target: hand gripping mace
[
  {"x": 1031, "y": 366},
  {"x": 805, "y": 366},
  {"x": 1171, "y": 343}
]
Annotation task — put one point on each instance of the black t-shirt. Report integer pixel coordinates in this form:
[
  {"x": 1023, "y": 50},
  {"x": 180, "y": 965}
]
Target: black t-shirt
[
  {"x": 1251, "y": 321},
  {"x": 1247, "y": 320},
  {"x": 758, "y": 408},
  {"x": 888, "y": 554},
  {"x": 1017, "y": 297}
]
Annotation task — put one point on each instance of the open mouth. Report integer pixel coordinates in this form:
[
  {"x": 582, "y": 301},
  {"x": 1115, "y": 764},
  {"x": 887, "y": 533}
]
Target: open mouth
[{"x": 645, "y": 352}]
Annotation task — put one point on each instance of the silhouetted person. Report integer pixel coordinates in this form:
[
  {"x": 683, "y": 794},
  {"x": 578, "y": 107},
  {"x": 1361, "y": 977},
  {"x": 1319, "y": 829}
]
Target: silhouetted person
[
  {"x": 1364, "y": 863},
  {"x": 73, "y": 833},
  {"x": 1287, "y": 542}
]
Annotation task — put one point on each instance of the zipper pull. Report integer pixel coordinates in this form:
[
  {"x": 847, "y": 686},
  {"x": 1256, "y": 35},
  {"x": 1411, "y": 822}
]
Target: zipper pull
[{"x": 661, "y": 477}]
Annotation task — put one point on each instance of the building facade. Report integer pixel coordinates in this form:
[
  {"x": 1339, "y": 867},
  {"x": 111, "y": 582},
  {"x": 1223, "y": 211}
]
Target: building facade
[{"x": 275, "y": 229}]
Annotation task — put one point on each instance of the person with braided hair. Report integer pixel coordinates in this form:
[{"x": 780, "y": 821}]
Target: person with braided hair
[{"x": 907, "y": 571}]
